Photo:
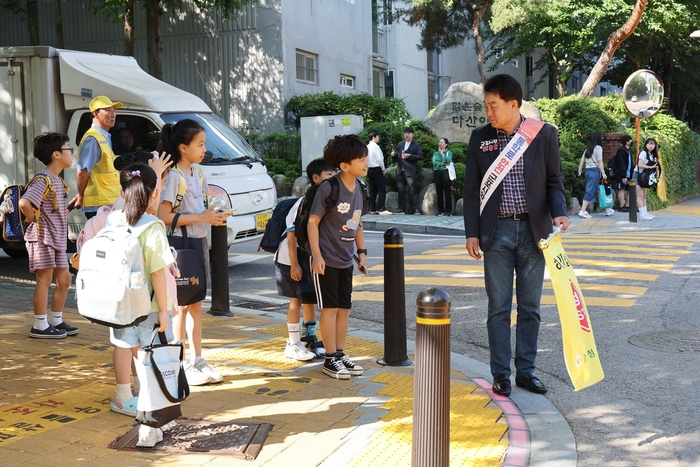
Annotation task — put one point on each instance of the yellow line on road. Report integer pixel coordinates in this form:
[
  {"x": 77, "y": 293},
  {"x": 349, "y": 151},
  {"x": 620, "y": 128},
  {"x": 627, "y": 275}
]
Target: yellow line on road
[
  {"x": 575, "y": 261},
  {"x": 359, "y": 281},
  {"x": 459, "y": 256},
  {"x": 546, "y": 300},
  {"x": 655, "y": 250},
  {"x": 600, "y": 241},
  {"x": 622, "y": 264}
]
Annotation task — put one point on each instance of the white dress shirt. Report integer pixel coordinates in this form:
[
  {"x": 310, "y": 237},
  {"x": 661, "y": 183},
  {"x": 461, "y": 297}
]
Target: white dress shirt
[{"x": 375, "y": 155}]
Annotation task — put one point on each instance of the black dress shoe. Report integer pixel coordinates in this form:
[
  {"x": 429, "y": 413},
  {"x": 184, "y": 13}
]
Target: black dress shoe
[
  {"x": 531, "y": 383},
  {"x": 624, "y": 209},
  {"x": 399, "y": 211},
  {"x": 501, "y": 386}
]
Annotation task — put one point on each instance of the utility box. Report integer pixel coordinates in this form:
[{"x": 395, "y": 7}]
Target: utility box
[{"x": 316, "y": 131}]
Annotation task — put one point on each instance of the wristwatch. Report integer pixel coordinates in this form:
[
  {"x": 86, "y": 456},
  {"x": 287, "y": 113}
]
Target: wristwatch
[{"x": 361, "y": 250}]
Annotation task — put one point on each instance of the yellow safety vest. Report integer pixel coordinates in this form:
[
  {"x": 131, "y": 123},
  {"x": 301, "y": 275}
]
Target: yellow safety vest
[{"x": 103, "y": 185}]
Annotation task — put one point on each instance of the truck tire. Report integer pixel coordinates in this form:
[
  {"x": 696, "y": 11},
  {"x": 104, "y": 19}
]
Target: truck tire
[{"x": 15, "y": 253}]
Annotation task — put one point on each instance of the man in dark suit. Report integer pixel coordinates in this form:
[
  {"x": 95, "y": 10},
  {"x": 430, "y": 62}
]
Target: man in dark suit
[
  {"x": 407, "y": 153},
  {"x": 519, "y": 213}
]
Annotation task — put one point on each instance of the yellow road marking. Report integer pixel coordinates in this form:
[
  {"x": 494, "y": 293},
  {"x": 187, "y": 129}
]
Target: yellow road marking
[
  {"x": 464, "y": 256},
  {"x": 359, "y": 281},
  {"x": 601, "y": 241},
  {"x": 546, "y": 300}
]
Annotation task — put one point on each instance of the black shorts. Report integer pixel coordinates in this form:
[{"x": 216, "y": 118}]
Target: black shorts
[
  {"x": 288, "y": 287},
  {"x": 334, "y": 288}
]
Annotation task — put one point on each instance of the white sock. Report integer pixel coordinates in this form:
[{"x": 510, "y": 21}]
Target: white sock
[
  {"x": 40, "y": 322},
  {"x": 56, "y": 318},
  {"x": 124, "y": 392},
  {"x": 293, "y": 329},
  {"x": 197, "y": 359},
  {"x": 643, "y": 211}
]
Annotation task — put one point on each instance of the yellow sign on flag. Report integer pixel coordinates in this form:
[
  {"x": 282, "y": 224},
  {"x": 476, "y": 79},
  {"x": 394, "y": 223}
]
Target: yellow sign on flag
[{"x": 580, "y": 353}]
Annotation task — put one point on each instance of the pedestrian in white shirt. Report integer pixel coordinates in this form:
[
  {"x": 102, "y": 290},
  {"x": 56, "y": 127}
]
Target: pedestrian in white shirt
[{"x": 377, "y": 183}]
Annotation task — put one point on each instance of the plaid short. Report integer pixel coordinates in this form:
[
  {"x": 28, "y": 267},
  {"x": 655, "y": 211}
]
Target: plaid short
[{"x": 45, "y": 257}]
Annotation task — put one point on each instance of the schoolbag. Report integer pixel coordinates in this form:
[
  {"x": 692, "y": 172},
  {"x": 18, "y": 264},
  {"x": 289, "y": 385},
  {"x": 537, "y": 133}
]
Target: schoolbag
[
  {"x": 111, "y": 287},
  {"x": 610, "y": 167},
  {"x": 275, "y": 230},
  {"x": 182, "y": 186},
  {"x": 13, "y": 224},
  {"x": 302, "y": 220}
]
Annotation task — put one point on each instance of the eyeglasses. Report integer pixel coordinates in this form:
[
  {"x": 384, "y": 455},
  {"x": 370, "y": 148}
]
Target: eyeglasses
[{"x": 67, "y": 149}]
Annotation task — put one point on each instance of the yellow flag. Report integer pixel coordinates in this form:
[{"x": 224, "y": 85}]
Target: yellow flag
[
  {"x": 580, "y": 353},
  {"x": 661, "y": 187}
]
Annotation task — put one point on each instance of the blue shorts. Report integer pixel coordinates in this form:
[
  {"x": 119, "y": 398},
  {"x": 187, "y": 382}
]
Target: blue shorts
[
  {"x": 288, "y": 287},
  {"x": 139, "y": 335}
]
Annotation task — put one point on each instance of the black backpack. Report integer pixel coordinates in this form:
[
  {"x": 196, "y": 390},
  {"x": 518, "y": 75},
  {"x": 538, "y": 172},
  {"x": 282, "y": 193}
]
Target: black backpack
[
  {"x": 611, "y": 167},
  {"x": 276, "y": 226},
  {"x": 302, "y": 220}
]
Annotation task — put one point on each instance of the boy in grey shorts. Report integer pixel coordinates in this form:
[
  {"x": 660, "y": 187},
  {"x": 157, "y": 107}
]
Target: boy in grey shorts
[
  {"x": 293, "y": 276},
  {"x": 333, "y": 235}
]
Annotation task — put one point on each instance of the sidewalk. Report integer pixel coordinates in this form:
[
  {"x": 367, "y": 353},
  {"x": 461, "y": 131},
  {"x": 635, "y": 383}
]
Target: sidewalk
[{"x": 54, "y": 407}]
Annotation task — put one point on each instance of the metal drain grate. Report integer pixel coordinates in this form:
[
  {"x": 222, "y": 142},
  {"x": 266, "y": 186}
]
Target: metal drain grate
[
  {"x": 261, "y": 306},
  {"x": 668, "y": 341}
]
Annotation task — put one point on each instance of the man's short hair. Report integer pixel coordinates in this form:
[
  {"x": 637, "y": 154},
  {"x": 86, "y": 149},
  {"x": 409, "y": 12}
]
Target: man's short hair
[
  {"x": 317, "y": 166},
  {"x": 506, "y": 87},
  {"x": 345, "y": 148},
  {"x": 624, "y": 139},
  {"x": 408, "y": 129},
  {"x": 372, "y": 134},
  {"x": 47, "y": 143}
]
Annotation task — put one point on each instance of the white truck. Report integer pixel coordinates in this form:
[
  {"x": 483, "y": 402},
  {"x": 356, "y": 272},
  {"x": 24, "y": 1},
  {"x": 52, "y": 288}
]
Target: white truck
[{"x": 47, "y": 89}]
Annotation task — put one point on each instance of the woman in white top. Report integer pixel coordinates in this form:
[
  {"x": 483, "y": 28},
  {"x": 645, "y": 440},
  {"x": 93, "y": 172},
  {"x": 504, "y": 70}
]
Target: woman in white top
[
  {"x": 648, "y": 159},
  {"x": 593, "y": 158}
]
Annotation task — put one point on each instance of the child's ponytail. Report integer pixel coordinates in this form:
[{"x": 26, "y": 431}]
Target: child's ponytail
[
  {"x": 138, "y": 183},
  {"x": 172, "y": 136}
]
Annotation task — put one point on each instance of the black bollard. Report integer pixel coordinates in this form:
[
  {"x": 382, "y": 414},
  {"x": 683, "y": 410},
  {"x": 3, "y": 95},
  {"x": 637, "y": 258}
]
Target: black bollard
[
  {"x": 632, "y": 194},
  {"x": 395, "y": 352},
  {"x": 219, "y": 272},
  {"x": 431, "y": 387}
]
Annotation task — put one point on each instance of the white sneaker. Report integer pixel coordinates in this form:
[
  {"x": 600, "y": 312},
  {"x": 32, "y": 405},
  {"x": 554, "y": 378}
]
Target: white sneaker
[
  {"x": 298, "y": 352},
  {"x": 195, "y": 376},
  {"x": 149, "y": 437},
  {"x": 584, "y": 214},
  {"x": 609, "y": 211},
  {"x": 214, "y": 376},
  {"x": 646, "y": 217},
  {"x": 386, "y": 213}
]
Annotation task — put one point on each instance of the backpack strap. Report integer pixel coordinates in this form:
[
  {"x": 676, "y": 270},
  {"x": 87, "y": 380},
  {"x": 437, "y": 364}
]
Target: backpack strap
[
  {"x": 182, "y": 186},
  {"x": 48, "y": 189}
]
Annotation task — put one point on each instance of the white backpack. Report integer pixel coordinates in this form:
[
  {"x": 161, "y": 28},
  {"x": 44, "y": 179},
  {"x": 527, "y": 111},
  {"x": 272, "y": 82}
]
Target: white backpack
[{"x": 111, "y": 287}]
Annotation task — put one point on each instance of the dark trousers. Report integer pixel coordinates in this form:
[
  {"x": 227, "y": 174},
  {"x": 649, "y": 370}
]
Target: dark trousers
[
  {"x": 443, "y": 186},
  {"x": 404, "y": 181},
  {"x": 377, "y": 189}
]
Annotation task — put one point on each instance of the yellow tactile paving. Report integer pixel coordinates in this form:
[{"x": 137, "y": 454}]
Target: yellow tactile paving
[
  {"x": 34, "y": 417},
  {"x": 265, "y": 354},
  {"x": 476, "y": 438}
]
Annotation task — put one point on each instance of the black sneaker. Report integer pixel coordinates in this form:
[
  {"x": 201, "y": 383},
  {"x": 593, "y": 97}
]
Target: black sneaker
[
  {"x": 70, "y": 330},
  {"x": 334, "y": 368},
  {"x": 355, "y": 370},
  {"x": 314, "y": 345},
  {"x": 49, "y": 333}
]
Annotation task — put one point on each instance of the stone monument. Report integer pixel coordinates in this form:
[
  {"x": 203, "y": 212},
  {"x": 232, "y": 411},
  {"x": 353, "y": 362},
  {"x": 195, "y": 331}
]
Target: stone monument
[{"x": 462, "y": 109}]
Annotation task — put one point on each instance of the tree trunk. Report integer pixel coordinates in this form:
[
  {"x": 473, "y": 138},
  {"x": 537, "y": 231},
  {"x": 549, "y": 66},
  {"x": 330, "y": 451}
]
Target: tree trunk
[
  {"x": 60, "y": 42},
  {"x": 153, "y": 39},
  {"x": 614, "y": 41},
  {"x": 33, "y": 22},
  {"x": 476, "y": 32},
  {"x": 129, "y": 29}
]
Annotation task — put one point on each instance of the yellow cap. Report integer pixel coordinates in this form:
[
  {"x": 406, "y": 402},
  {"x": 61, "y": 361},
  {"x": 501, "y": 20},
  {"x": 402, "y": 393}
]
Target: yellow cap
[{"x": 102, "y": 102}]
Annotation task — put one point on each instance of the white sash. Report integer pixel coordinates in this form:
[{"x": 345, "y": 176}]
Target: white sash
[{"x": 505, "y": 161}]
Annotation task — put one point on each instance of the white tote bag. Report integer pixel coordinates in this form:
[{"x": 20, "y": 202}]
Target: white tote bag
[
  {"x": 163, "y": 382},
  {"x": 451, "y": 170}
]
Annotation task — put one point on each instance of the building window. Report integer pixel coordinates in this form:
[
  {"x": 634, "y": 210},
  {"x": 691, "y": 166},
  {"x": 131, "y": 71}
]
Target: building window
[
  {"x": 307, "y": 67},
  {"x": 347, "y": 81},
  {"x": 574, "y": 83},
  {"x": 529, "y": 66},
  {"x": 432, "y": 94},
  {"x": 378, "y": 82},
  {"x": 603, "y": 92}
]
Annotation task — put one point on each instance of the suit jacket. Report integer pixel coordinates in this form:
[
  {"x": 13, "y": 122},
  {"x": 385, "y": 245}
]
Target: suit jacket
[
  {"x": 544, "y": 184},
  {"x": 410, "y": 164}
]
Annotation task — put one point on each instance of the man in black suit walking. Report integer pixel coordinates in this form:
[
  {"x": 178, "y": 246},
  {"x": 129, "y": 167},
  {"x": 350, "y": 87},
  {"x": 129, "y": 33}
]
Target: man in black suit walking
[
  {"x": 520, "y": 211},
  {"x": 407, "y": 153}
]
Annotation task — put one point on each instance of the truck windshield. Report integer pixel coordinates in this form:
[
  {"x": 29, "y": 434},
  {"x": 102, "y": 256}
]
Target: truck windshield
[{"x": 223, "y": 142}]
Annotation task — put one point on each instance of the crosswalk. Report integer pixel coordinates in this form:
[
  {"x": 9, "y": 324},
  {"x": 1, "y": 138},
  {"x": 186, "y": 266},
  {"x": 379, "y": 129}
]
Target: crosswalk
[{"x": 613, "y": 269}]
